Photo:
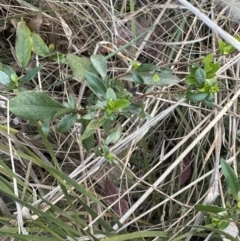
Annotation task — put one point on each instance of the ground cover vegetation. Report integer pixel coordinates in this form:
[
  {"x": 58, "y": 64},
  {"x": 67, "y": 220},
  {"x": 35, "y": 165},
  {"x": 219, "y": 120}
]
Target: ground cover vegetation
[{"x": 119, "y": 120}]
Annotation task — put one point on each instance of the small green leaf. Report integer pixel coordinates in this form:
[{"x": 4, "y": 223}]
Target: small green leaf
[
  {"x": 96, "y": 85},
  {"x": 4, "y": 78},
  {"x": 207, "y": 60},
  {"x": 223, "y": 224},
  {"x": 135, "y": 64},
  {"x": 214, "y": 68},
  {"x": 35, "y": 106},
  {"x": 137, "y": 77},
  {"x": 80, "y": 66},
  {"x": 39, "y": 47},
  {"x": 148, "y": 67},
  {"x": 100, "y": 64},
  {"x": 115, "y": 135},
  {"x": 30, "y": 75},
  {"x": 45, "y": 128},
  {"x": 110, "y": 95},
  {"x": 200, "y": 77},
  {"x": 135, "y": 108},
  {"x": 156, "y": 77},
  {"x": 121, "y": 104},
  {"x": 96, "y": 123},
  {"x": 88, "y": 143},
  {"x": 221, "y": 45},
  {"x": 196, "y": 96},
  {"x": 14, "y": 79},
  {"x": 64, "y": 111},
  {"x": 231, "y": 178},
  {"x": 71, "y": 101},
  {"x": 23, "y": 44},
  {"x": 209, "y": 208},
  {"x": 190, "y": 80},
  {"x": 167, "y": 78},
  {"x": 87, "y": 133},
  {"x": 8, "y": 70},
  {"x": 67, "y": 122}
]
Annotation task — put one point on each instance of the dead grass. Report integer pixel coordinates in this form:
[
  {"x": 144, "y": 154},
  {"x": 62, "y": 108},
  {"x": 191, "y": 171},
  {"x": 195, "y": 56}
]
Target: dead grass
[{"x": 150, "y": 156}]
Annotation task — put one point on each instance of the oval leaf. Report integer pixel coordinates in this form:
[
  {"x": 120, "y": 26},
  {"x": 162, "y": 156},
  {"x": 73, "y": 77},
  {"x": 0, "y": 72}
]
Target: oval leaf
[
  {"x": 121, "y": 104},
  {"x": 34, "y": 106},
  {"x": 196, "y": 96},
  {"x": 200, "y": 76},
  {"x": 23, "y": 44},
  {"x": 4, "y": 78},
  {"x": 100, "y": 64},
  {"x": 114, "y": 136},
  {"x": 137, "y": 77},
  {"x": 80, "y": 66},
  {"x": 87, "y": 133},
  {"x": 110, "y": 95},
  {"x": 67, "y": 122},
  {"x": 231, "y": 178},
  {"x": 96, "y": 85},
  {"x": 39, "y": 47}
]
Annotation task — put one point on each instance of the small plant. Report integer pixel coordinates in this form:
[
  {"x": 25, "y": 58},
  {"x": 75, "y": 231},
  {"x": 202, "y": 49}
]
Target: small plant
[
  {"x": 226, "y": 48},
  {"x": 202, "y": 82},
  {"x": 27, "y": 42},
  {"x": 222, "y": 217},
  {"x": 106, "y": 107}
]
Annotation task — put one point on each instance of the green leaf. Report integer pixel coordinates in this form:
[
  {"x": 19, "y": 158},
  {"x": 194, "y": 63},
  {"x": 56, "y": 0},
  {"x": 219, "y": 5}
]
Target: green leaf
[
  {"x": 214, "y": 68},
  {"x": 110, "y": 95},
  {"x": 200, "y": 77},
  {"x": 135, "y": 108},
  {"x": 100, "y": 64},
  {"x": 88, "y": 143},
  {"x": 4, "y": 78},
  {"x": 193, "y": 68},
  {"x": 223, "y": 224},
  {"x": 156, "y": 77},
  {"x": 96, "y": 123},
  {"x": 34, "y": 106},
  {"x": 39, "y": 47},
  {"x": 67, "y": 122},
  {"x": 190, "y": 80},
  {"x": 71, "y": 101},
  {"x": 45, "y": 128},
  {"x": 30, "y": 75},
  {"x": 196, "y": 96},
  {"x": 121, "y": 104},
  {"x": 148, "y": 67},
  {"x": 135, "y": 64},
  {"x": 23, "y": 44},
  {"x": 231, "y": 178},
  {"x": 96, "y": 85},
  {"x": 207, "y": 60},
  {"x": 80, "y": 66},
  {"x": 209, "y": 208},
  {"x": 166, "y": 78},
  {"x": 87, "y": 133},
  {"x": 137, "y": 77},
  {"x": 115, "y": 135},
  {"x": 64, "y": 111},
  {"x": 8, "y": 70},
  {"x": 221, "y": 45}
]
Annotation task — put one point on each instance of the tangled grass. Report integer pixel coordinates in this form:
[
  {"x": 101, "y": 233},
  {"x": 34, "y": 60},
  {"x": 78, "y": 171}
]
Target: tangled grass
[{"x": 166, "y": 164}]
